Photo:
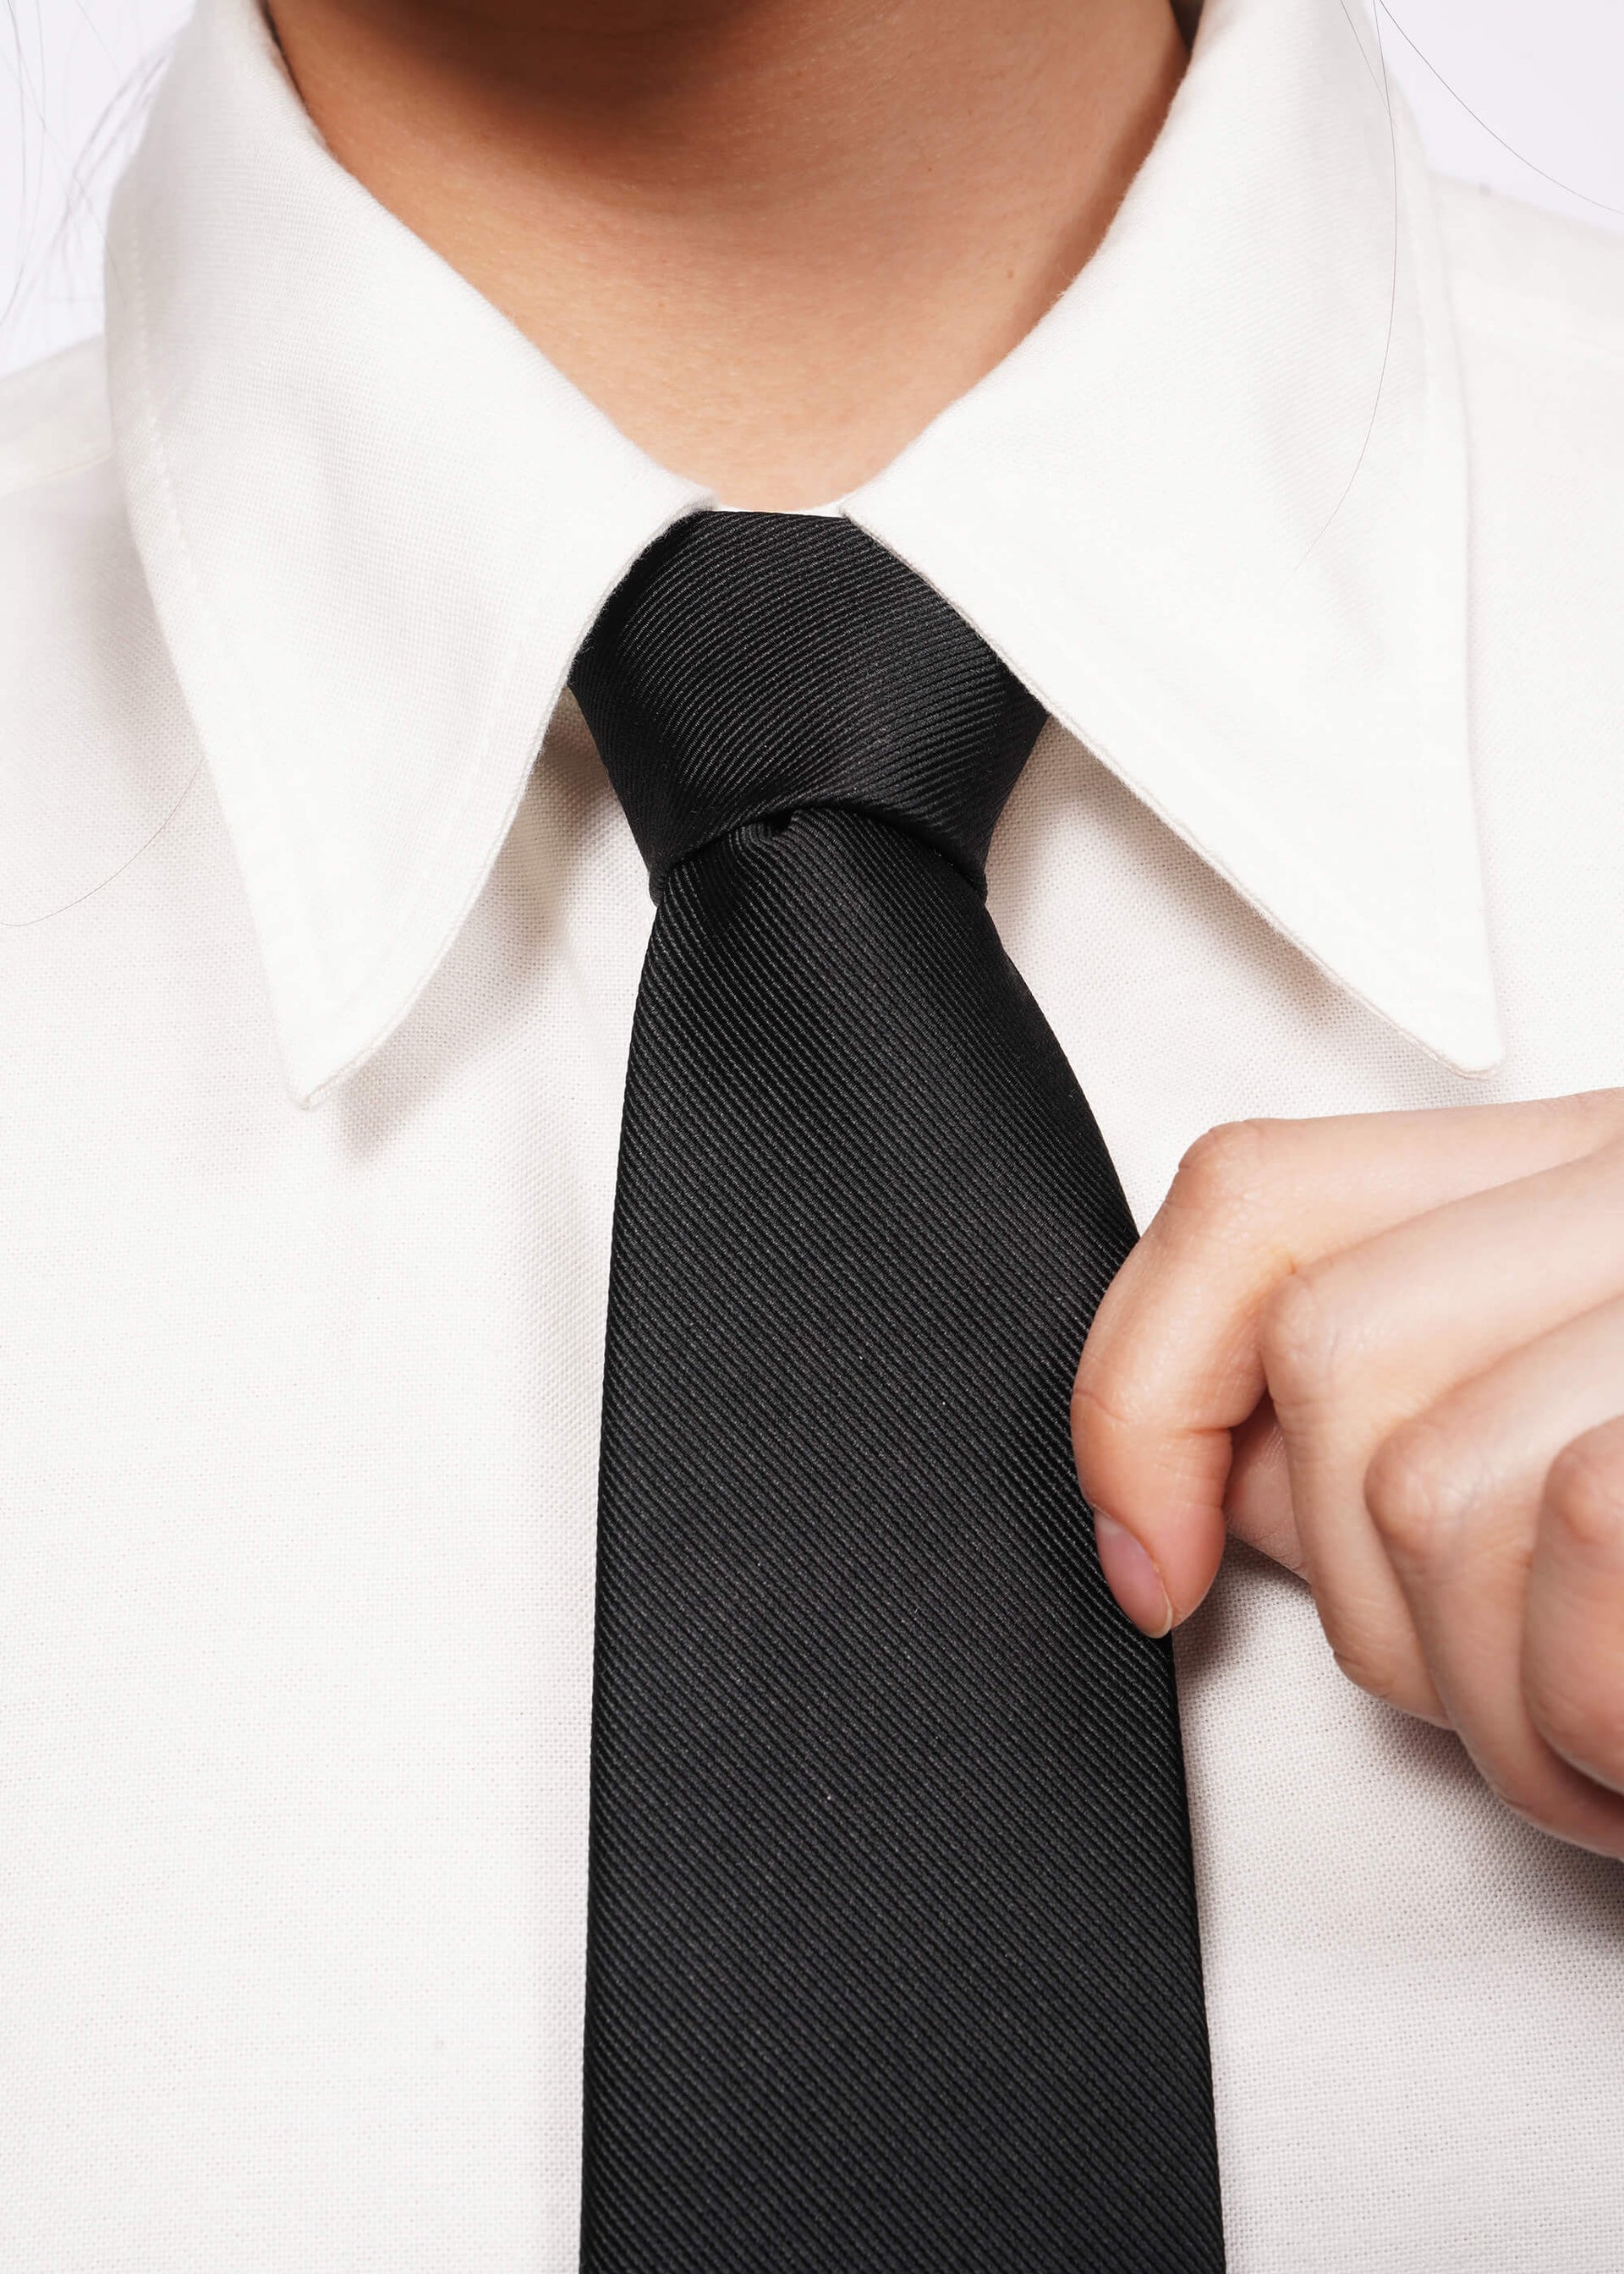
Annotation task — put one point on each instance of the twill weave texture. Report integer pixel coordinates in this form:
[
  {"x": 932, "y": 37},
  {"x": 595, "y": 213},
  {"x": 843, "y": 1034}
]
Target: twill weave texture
[{"x": 892, "y": 1958}]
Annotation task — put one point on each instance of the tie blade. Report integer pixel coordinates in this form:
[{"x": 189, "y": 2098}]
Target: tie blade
[{"x": 893, "y": 1954}]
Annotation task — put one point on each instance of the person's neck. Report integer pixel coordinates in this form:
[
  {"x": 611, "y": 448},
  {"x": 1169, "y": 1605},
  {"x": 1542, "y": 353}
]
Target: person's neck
[{"x": 770, "y": 239}]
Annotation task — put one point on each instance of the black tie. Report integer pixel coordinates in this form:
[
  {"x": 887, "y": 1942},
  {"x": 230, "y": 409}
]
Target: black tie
[{"x": 891, "y": 1953}]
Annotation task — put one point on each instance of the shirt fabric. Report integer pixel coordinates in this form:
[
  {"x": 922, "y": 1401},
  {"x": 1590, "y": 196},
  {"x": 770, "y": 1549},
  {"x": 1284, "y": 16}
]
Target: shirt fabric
[{"x": 1303, "y": 512}]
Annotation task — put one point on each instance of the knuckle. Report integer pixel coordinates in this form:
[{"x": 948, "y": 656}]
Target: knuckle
[
  {"x": 1538, "y": 1799},
  {"x": 1416, "y": 1490},
  {"x": 1538, "y": 1804},
  {"x": 1382, "y": 1672},
  {"x": 1582, "y": 1715},
  {"x": 1223, "y": 1172},
  {"x": 1584, "y": 1491},
  {"x": 1363, "y": 1668},
  {"x": 1100, "y": 1415},
  {"x": 1305, "y": 1336}
]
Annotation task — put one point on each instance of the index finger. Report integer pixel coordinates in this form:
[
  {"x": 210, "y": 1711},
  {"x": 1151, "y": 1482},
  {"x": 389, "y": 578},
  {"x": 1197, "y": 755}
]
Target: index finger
[{"x": 1172, "y": 1363}]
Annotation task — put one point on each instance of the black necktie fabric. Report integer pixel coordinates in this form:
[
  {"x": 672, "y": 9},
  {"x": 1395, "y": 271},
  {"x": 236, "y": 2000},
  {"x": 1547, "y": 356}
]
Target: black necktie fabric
[{"x": 892, "y": 1961}]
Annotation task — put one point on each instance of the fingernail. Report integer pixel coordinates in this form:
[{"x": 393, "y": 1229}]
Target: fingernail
[{"x": 1132, "y": 1577}]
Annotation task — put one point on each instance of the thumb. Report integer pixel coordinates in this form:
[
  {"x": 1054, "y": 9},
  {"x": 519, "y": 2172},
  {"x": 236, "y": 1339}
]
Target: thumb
[
  {"x": 1172, "y": 1367},
  {"x": 1157, "y": 1493}
]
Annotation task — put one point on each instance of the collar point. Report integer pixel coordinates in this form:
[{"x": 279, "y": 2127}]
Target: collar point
[
  {"x": 1464, "y": 1035},
  {"x": 317, "y": 1064}
]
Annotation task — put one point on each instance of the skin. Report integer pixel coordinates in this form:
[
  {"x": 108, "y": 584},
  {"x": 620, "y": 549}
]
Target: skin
[
  {"x": 1388, "y": 1352},
  {"x": 771, "y": 239}
]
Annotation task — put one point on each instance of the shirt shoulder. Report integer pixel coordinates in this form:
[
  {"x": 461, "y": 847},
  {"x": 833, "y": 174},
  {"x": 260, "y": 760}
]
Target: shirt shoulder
[
  {"x": 54, "y": 419},
  {"x": 1549, "y": 284}
]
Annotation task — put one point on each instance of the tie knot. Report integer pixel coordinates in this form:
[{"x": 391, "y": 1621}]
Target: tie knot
[{"x": 751, "y": 664}]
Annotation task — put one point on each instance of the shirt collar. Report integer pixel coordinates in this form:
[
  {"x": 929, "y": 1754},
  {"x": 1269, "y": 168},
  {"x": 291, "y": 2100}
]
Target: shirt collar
[{"x": 1211, "y": 511}]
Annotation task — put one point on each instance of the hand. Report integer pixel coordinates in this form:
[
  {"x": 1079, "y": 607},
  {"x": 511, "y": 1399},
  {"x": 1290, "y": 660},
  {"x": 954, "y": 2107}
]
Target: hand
[{"x": 1388, "y": 1350}]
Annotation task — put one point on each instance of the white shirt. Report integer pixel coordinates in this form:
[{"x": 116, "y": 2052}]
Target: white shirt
[{"x": 1303, "y": 514}]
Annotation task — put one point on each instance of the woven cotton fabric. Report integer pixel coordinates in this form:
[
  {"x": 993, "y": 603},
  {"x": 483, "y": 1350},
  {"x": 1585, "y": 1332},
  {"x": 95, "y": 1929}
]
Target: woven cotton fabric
[{"x": 892, "y": 1958}]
